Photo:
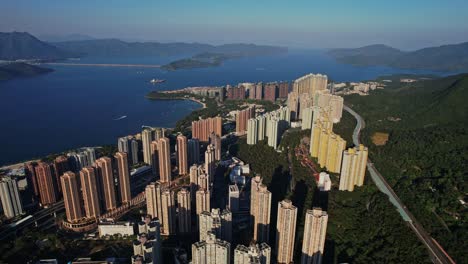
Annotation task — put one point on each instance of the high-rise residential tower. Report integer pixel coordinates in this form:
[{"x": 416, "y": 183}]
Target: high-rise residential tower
[
  {"x": 71, "y": 196},
  {"x": 9, "y": 196},
  {"x": 252, "y": 131},
  {"x": 259, "y": 91},
  {"x": 255, "y": 253},
  {"x": 105, "y": 176},
  {"x": 154, "y": 157},
  {"x": 90, "y": 192},
  {"x": 285, "y": 231},
  {"x": 184, "y": 211},
  {"x": 211, "y": 250},
  {"x": 217, "y": 221},
  {"x": 270, "y": 92},
  {"x": 283, "y": 89},
  {"x": 153, "y": 199},
  {"x": 242, "y": 118},
  {"x": 215, "y": 140},
  {"x": 202, "y": 128},
  {"x": 45, "y": 183},
  {"x": 315, "y": 230},
  {"x": 261, "y": 214},
  {"x": 124, "y": 177},
  {"x": 147, "y": 136},
  {"x": 164, "y": 154},
  {"x": 210, "y": 162},
  {"x": 193, "y": 151},
  {"x": 168, "y": 210},
  {"x": 353, "y": 169},
  {"x": 233, "y": 202},
  {"x": 123, "y": 144},
  {"x": 182, "y": 159},
  {"x": 60, "y": 167},
  {"x": 135, "y": 149}
]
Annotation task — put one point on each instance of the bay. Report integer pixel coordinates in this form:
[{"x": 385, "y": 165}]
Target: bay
[{"x": 77, "y": 106}]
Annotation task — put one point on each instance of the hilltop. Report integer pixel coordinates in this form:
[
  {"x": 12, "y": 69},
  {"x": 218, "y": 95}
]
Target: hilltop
[
  {"x": 452, "y": 57},
  {"x": 24, "y": 46}
]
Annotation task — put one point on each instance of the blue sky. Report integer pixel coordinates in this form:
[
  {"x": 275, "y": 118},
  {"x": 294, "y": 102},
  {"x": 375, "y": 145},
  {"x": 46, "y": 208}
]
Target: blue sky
[{"x": 406, "y": 24}]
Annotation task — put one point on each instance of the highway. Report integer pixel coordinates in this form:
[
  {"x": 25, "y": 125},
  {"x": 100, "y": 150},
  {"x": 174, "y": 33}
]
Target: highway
[
  {"x": 438, "y": 254},
  {"x": 104, "y": 65}
]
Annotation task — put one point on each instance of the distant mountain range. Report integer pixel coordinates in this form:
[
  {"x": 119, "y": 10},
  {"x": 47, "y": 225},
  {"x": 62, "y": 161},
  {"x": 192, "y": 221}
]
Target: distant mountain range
[
  {"x": 18, "y": 70},
  {"x": 115, "y": 47},
  {"x": 22, "y": 45},
  {"x": 62, "y": 38},
  {"x": 444, "y": 58}
]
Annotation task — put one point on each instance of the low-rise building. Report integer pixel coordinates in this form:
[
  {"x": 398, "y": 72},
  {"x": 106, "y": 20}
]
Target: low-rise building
[{"x": 111, "y": 228}]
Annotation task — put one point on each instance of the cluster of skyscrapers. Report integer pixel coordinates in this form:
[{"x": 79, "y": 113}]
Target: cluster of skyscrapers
[
  {"x": 242, "y": 117},
  {"x": 96, "y": 189},
  {"x": 44, "y": 177},
  {"x": 92, "y": 187},
  {"x": 268, "y": 126},
  {"x": 258, "y": 91},
  {"x": 202, "y": 129}
]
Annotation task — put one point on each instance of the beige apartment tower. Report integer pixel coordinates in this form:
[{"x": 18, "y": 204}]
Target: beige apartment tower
[
  {"x": 211, "y": 251},
  {"x": 202, "y": 201},
  {"x": 184, "y": 211},
  {"x": 168, "y": 211},
  {"x": 255, "y": 253},
  {"x": 153, "y": 200},
  {"x": 71, "y": 197},
  {"x": 260, "y": 209},
  {"x": 124, "y": 176},
  {"x": 315, "y": 231},
  {"x": 285, "y": 232}
]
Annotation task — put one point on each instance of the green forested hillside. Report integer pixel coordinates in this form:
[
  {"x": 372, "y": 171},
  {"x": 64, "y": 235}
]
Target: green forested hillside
[{"x": 426, "y": 157}]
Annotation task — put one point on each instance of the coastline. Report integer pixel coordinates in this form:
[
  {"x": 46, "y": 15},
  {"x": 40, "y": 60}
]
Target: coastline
[
  {"x": 174, "y": 95},
  {"x": 20, "y": 164}
]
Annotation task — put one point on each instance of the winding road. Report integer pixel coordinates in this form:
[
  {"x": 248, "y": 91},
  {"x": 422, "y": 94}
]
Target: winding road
[{"x": 438, "y": 254}]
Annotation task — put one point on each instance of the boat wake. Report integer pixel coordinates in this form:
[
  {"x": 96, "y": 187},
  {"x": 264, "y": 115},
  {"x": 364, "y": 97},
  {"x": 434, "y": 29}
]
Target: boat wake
[{"x": 120, "y": 118}]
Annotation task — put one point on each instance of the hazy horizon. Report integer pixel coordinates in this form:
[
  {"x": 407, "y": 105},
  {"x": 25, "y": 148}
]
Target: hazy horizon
[{"x": 301, "y": 24}]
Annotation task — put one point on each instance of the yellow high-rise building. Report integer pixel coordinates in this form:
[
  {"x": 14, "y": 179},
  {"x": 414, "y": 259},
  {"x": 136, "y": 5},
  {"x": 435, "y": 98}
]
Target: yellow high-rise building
[
  {"x": 336, "y": 146},
  {"x": 323, "y": 147},
  {"x": 326, "y": 146},
  {"x": 353, "y": 168}
]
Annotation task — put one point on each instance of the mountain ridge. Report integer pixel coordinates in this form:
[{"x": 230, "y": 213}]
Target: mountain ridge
[
  {"x": 451, "y": 57},
  {"x": 22, "y": 45}
]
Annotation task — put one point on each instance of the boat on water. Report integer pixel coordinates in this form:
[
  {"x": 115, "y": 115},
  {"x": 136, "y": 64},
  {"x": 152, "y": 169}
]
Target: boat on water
[
  {"x": 155, "y": 81},
  {"x": 120, "y": 118}
]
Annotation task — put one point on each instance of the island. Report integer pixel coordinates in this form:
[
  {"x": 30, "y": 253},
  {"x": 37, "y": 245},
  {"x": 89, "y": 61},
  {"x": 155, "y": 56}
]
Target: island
[
  {"x": 220, "y": 54},
  {"x": 14, "y": 70}
]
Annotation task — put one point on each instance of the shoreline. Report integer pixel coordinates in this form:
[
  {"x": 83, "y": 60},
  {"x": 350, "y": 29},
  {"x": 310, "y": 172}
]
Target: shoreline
[
  {"x": 175, "y": 96},
  {"x": 20, "y": 164}
]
